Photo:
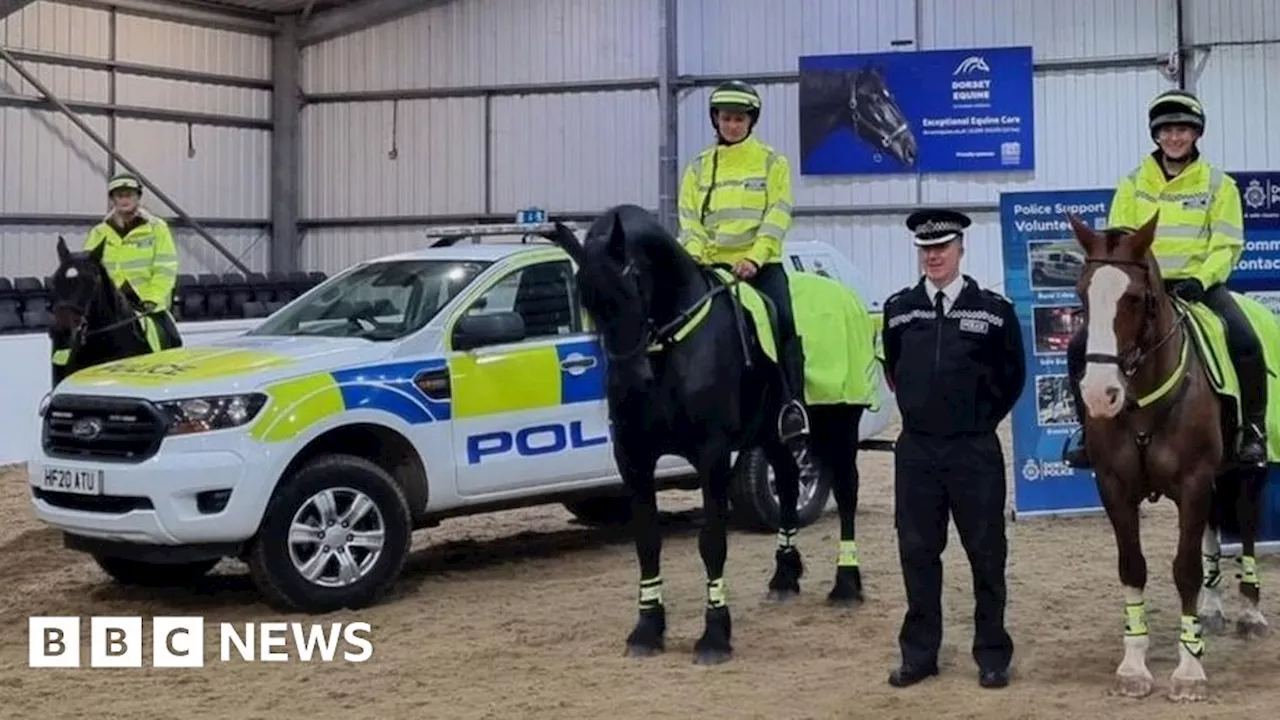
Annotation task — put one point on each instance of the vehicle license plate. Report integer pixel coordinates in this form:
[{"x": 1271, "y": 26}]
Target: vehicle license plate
[{"x": 76, "y": 482}]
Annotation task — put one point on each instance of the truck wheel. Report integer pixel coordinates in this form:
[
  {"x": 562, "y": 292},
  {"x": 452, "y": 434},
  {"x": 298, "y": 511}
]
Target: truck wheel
[
  {"x": 755, "y": 500},
  {"x": 604, "y": 510},
  {"x": 335, "y": 535},
  {"x": 156, "y": 575}
]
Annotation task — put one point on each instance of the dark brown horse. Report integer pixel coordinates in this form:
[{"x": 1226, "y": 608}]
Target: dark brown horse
[{"x": 1155, "y": 427}]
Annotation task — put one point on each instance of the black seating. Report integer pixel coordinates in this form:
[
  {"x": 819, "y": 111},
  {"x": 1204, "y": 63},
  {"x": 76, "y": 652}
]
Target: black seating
[
  {"x": 11, "y": 321},
  {"x": 217, "y": 299},
  {"x": 37, "y": 319},
  {"x": 253, "y": 309}
]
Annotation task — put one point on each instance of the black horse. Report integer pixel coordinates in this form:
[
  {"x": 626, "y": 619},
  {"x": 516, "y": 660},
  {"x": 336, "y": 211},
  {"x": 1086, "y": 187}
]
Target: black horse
[
  {"x": 686, "y": 376},
  {"x": 860, "y": 101},
  {"x": 93, "y": 320}
]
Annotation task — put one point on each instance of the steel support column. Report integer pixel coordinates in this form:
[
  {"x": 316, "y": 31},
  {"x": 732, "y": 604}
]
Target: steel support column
[
  {"x": 669, "y": 116},
  {"x": 286, "y": 61},
  {"x": 102, "y": 143}
]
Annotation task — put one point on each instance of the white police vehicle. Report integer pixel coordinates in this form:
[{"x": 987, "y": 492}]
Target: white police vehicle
[{"x": 453, "y": 380}]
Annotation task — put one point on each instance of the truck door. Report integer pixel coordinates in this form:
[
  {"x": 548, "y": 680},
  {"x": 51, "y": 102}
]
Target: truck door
[{"x": 530, "y": 413}]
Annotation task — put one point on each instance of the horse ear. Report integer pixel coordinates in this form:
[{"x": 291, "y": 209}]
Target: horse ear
[
  {"x": 1084, "y": 234},
  {"x": 64, "y": 253},
  {"x": 96, "y": 253},
  {"x": 617, "y": 244},
  {"x": 1145, "y": 235},
  {"x": 564, "y": 238}
]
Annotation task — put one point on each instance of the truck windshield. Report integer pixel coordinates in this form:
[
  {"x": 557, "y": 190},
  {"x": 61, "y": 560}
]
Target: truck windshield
[{"x": 378, "y": 301}]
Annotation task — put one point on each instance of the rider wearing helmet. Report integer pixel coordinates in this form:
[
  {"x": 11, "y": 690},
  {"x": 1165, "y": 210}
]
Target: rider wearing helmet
[
  {"x": 735, "y": 210},
  {"x": 140, "y": 250},
  {"x": 1199, "y": 239}
]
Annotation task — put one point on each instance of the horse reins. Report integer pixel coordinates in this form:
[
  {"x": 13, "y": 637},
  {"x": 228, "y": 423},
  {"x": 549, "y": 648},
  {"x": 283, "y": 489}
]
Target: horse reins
[
  {"x": 665, "y": 334},
  {"x": 1130, "y": 360}
]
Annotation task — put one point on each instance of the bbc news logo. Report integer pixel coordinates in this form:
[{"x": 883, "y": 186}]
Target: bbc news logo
[{"x": 179, "y": 642}]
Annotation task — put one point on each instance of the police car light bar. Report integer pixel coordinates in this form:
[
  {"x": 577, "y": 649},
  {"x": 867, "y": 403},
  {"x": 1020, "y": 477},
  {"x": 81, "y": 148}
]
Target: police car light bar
[{"x": 451, "y": 235}]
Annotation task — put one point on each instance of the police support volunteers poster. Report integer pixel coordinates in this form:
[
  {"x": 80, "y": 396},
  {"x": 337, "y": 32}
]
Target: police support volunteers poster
[
  {"x": 965, "y": 110},
  {"x": 1042, "y": 261}
]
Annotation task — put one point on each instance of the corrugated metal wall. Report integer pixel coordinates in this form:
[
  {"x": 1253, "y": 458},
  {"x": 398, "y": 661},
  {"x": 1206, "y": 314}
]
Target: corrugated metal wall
[
  {"x": 584, "y": 150},
  {"x": 580, "y": 151},
  {"x": 50, "y": 167}
]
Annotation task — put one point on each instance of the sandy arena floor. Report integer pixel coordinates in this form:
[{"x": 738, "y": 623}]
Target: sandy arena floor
[{"x": 522, "y": 615}]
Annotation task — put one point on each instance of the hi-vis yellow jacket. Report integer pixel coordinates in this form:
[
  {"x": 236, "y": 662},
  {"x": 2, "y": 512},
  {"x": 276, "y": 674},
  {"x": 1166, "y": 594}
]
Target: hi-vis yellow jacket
[
  {"x": 1201, "y": 229},
  {"x": 145, "y": 256},
  {"x": 735, "y": 203}
]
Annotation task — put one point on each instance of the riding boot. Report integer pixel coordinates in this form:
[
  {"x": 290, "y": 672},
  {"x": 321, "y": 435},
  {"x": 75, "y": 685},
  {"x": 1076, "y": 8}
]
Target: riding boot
[
  {"x": 1252, "y": 371},
  {"x": 793, "y": 419}
]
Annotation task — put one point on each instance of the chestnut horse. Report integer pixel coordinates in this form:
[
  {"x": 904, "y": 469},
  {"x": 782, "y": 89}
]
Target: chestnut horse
[{"x": 1155, "y": 426}]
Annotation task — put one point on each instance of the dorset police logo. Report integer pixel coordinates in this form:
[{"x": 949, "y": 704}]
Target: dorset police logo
[
  {"x": 1255, "y": 196},
  {"x": 1031, "y": 470}
]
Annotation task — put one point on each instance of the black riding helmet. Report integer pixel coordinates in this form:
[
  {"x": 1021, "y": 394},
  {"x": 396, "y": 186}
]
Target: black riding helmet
[
  {"x": 736, "y": 96},
  {"x": 1175, "y": 107}
]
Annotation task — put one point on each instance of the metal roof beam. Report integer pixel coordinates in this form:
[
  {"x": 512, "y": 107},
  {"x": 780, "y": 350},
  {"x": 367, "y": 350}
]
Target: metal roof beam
[
  {"x": 223, "y": 17},
  {"x": 9, "y": 7},
  {"x": 357, "y": 16}
]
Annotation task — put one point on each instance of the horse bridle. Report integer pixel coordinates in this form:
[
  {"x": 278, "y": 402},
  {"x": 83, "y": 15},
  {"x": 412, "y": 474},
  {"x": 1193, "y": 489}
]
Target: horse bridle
[
  {"x": 1131, "y": 359},
  {"x": 665, "y": 334},
  {"x": 80, "y": 333}
]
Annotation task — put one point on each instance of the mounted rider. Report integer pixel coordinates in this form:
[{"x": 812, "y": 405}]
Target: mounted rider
[
  {"x": 139, "y": 249},
  {"x": 1199, "y": 239},
  {"x": 735, "y": 210}
]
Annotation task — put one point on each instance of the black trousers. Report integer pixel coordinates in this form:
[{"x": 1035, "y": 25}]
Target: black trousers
[
  {"x": 962, "y": 478},
  {"x": 771, "y": 280},
  {"x": 1246, "y": 349}
]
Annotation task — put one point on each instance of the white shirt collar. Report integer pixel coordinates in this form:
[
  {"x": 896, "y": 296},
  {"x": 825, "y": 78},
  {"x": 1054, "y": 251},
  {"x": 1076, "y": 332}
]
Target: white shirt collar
[{"x": 950, "y": 292}]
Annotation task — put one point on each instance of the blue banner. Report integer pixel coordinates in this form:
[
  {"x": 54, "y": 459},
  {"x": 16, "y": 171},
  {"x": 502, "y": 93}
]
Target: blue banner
[
  {"x": 936, "y": 111},
  {"x": 1042, "y": 261}
]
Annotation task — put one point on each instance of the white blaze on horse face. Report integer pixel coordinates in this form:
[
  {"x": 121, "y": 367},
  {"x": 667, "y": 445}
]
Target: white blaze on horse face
[{"x": 1102, "y": 388}]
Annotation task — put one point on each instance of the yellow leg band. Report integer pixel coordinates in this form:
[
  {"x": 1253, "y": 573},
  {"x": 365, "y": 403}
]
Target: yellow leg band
[
  {"x": 651, "y": 592},
  {"x": 1249, "y": 570},
  {"x": 848, "y": 554},
  {"x": 717, "y": 595},
  {"x": 1135, "y": 619},
  {"x": 1192, "y": 637},
  {"x": 787, "y": 537}
]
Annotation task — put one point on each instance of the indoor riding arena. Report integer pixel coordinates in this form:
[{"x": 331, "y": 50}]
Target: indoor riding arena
[{"x": 382, "y": 475}]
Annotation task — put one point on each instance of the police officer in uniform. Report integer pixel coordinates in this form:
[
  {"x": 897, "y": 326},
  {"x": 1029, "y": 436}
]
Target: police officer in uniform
[{"x": 953, "y": 354}]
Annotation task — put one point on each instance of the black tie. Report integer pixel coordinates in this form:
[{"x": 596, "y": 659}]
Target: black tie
[{"x": 937, "y": 304}]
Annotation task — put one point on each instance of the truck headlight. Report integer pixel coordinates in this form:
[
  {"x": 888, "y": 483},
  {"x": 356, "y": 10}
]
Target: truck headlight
[
  {"x": 44, "y": 403},
  {"x": 202, "y": 414}
]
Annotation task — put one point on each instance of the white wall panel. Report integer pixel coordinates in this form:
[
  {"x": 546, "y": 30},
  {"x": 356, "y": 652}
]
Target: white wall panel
[
  {"x": 332, "y": 250},
  {"x": 48, "y": 166},
  {"x": 31, "y": 251},
  {"x": 575, "y": 152},
  {"x": 487, "y": 42},
  {"x": 152, "y": 92},
  {"x": 438, "y": 168},
  {"x": 1240, "y": 87},
  {"x": 1056, "y": 29},
  {"x": 57, "y": 28},
  {"x": 758, "y": 36},
  {"x": 227, "y": 176},
  {"x": 169, "y": 44},
  {"x": 881, "y": 247},
  {"x": 1216, "y": 21}
]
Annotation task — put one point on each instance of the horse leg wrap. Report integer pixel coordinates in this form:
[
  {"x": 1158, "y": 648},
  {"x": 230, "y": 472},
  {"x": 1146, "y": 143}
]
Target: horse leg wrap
[
  {"x": 717, "y": 594},
  {"x": 1192, "y": 637},
  {"x": 787, "y": 538},
  {"x": 651, "y": 593},
  {"x": 1248, "y": 574},
  {"x": 1135, "y": 619},
  {"x": 848, "y": 556},
  {"x": 1212, "y": 572}
]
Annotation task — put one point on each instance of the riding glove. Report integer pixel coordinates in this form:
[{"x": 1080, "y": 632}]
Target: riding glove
[{"x": 1191, "y": 290}]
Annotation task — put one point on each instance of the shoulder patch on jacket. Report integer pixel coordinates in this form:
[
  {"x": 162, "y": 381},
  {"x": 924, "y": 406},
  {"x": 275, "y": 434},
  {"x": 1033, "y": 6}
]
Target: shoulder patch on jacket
[{"x": 993, "y": 295}]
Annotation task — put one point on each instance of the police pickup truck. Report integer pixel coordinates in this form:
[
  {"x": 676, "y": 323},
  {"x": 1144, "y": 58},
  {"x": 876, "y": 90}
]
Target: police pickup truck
[{"x": 380, "y": 402}]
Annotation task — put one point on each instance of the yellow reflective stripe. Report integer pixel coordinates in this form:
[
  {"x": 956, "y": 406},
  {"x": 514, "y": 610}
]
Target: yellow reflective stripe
[
  {"x": 1223, "y": 227},
  {"x": 719, "y": 184},
  {"x": 734, "y": 239},
  {"x": 738, "y": 214},
  {"x": 772, "y": 230},
  {"x": 488, "y": 383},
  {"x": 1170, "y": 382},
  {"x": 296, "y": 405},
  {"x": 687, "y": 214},
  {"x": 735, "y": 96},
  {"x": 1180, "y": 231}
]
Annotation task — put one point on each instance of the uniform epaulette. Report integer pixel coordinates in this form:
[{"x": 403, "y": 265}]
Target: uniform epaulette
[
  {"x": 895, "y": 296},
  {"x": 992, "y": 294}
]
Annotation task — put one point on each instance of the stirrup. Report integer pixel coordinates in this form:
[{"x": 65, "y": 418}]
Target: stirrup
[{"x": 797, "y": 410}]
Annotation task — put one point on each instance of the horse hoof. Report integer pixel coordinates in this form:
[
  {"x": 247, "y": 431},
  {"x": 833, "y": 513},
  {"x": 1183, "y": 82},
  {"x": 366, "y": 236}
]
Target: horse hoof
[
  {"x": 1213, "y": 622},
  {"x": 1189, "y": 690},
  {"x": 712, "y": 656},
  {"x": 844, "y": 601},
  {"x": 781, "y": 595},
  {"x": 1134, "y": 686},
  {"x": 1251, "y": 629},
  {"x": 639, "y": 651}
]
